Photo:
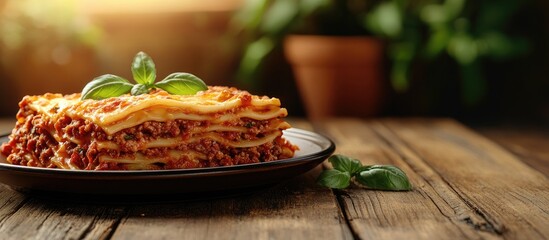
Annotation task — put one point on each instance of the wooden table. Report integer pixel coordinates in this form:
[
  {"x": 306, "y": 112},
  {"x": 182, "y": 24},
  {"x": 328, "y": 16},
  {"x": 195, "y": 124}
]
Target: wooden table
[{"x": 466, "y": 186}]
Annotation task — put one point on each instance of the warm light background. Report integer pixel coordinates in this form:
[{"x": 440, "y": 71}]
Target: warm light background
[
  {"x": 186, "y": 36},
  {"x": 102, "y": 36}
]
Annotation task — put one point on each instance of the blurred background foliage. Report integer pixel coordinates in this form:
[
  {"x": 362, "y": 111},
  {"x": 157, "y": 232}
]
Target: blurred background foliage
[
  {"x": 35, "y": 23},
  {"x": 48, "y": 29},
  {"x": 478, "y": 61},
  {"x": 416, "y": 31}
]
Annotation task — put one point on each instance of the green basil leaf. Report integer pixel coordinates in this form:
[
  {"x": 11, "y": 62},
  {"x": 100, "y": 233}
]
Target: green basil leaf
[
  {"x": 334, "y": 179},
  {"x": 345, "y": 164},
  {"x": 143, "y": 69},
  {"x": 106, "y": 86},
  {"x": 139, "y": 89},
  {"x": 182, "y": 84},
  {"x": 383, "y": 177}
]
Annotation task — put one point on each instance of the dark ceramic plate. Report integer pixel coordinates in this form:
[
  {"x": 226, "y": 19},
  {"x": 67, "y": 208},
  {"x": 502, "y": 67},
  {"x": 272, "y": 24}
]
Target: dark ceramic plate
[{"x": 314, "y": 149}]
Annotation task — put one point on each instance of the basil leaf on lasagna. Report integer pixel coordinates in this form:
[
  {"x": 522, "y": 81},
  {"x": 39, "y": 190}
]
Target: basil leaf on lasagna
[
  {"x": 106, "y": 86},
  {"x": 182, "y": 84},
  {"x": 139, "y": 89},
  {"x": 143, "y": 69}
]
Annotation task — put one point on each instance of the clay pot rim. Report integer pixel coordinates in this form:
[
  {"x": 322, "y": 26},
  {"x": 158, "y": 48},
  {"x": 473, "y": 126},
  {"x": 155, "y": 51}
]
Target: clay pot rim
[{"x": 320, "y": 49}]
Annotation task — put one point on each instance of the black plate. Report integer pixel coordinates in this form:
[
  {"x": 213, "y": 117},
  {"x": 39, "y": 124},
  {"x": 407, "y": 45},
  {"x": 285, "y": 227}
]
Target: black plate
[{"x": 214, "y": 181}]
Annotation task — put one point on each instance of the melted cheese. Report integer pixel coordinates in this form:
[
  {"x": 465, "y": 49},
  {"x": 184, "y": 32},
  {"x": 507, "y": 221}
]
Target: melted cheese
[
  {"x": 162, "y": 114},
  {"x": 139, "y": 161},
  {"x": 138, "y": 157},
  {"x": 217, "y": 104},
  {"x": 173, "y": 142}
]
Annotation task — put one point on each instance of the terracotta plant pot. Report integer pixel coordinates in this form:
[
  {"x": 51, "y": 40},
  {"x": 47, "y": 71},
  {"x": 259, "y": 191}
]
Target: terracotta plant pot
[{"x": 337, "y": 76}]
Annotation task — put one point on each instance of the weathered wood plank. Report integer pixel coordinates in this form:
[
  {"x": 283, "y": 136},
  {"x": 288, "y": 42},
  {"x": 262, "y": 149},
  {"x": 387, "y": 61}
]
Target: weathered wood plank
[
  {"x": 431, "y": 211},
  {"x": 530, "y": 145},
  {"x": 10, "y": 202},
  {"x": 25, "y": 217},
  {"x": 511, "y": 196},
  {"x": 295, "y": 210}
]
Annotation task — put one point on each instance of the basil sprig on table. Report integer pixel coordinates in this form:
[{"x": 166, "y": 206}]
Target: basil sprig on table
[
  {"x": 379, "y": 177},
  {"x": 144, "y": 73}
]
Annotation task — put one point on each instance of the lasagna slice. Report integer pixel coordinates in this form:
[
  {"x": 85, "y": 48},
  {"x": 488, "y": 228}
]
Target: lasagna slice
[{"x": 218, "y": 127}]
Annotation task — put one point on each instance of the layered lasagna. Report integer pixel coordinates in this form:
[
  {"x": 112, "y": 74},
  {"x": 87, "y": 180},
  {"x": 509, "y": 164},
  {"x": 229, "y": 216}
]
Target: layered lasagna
[{"x": 218, "y": 127}]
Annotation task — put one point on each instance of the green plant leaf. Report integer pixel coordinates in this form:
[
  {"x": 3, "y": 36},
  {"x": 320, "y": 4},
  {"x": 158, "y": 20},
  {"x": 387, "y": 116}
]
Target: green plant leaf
[
  {"x": 251, "y": 14},
  {"x": 437, "y": 42},
  {"x": 139, "y": 89},
  {"x": 182, "y": 84},
  {"x": 106, "y": 86},
  {"x": 279, "y": 17},
  {"x": 385, "y": 19},
  {"x": 308, "y": 7},
  {"x": 334, "y": 179},
  {"x": 253, "y": 57},
  {"x": 345, "y": 164},
  {"x": 383, "y": 177},
  {"x": 143, "y": 69},
  {"x": 464, "y": 48}
]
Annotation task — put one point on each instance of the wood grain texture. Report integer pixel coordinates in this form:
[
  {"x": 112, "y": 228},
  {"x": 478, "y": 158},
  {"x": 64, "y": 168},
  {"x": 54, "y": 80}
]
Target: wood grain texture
[
  {"x": 39, "y": 218},
  {"x": 295, "y": 210},
  {"x": 464, "y": 185},
  {"x": 10, "y": 203},
  {"x": 531, "y": 145},
  {"x": 510, "y": 195}
]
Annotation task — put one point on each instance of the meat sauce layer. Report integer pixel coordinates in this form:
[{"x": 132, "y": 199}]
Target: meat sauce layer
[{"x": 75, "y": 140}]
